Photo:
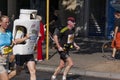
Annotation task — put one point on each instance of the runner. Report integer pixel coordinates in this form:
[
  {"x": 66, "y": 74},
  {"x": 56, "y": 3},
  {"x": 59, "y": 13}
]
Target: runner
[{"x": 64, "y": 40}]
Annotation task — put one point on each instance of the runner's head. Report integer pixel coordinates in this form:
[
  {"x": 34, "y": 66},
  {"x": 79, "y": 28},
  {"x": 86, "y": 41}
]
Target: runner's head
[{"x": 71, "y": 22}]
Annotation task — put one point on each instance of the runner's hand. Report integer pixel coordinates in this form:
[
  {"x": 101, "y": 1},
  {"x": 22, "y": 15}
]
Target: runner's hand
[
  {"x": 77, "y": 48},
  {"x": 60, "y": 49}
]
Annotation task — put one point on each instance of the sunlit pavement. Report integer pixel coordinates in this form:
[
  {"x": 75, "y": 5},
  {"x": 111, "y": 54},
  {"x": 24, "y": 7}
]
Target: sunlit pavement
[{"x": 86, "y": 63}]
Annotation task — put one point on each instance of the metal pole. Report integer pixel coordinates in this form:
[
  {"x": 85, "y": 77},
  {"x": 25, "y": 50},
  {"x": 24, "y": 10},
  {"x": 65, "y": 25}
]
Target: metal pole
[{"x": 47, "y": 30}]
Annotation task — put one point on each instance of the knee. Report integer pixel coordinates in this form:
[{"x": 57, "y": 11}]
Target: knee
[
  {"x": 71, "y": 64},
  {"x": 61, "y": 65},
  {"x": 32, "y": 71}
]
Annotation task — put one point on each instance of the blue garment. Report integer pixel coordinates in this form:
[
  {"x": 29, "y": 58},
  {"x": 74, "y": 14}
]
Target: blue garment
[{"x": 5, "y": 38}]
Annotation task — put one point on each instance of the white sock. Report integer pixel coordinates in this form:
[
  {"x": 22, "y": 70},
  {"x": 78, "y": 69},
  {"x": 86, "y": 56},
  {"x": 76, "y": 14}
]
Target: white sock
[
  {"x": 53, "y": 77},
  {"x": 64, "y": 78}
]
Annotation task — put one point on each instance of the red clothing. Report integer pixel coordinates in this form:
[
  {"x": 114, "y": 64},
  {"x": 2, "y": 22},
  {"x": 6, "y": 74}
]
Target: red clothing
[
  {"x": 116, "y": 43},
  {"x": 39, "y": 44}
]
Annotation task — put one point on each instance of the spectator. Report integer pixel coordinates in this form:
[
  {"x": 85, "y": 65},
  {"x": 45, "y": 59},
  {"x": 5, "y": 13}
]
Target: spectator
[
  {"x": 116, "y": 38},
  {"x": 40, "y": 40},
  {"x": 54, "y": 21}
]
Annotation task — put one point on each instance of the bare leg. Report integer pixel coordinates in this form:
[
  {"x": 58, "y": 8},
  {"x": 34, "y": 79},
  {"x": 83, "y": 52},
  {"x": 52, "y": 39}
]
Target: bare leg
[
  {"x": 15, "y": 72},
  {"x": 59, "y": 68},
  {"x": 32, "y": 69},
  {"x": 12, "y": 74},
  {"x": 68, "y": 67},
  {"x": 114, "y": 51},
  {"x": 4, "y": 76}
]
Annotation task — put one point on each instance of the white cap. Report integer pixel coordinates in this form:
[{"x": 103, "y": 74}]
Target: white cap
[{"x": 27, "y": 11}]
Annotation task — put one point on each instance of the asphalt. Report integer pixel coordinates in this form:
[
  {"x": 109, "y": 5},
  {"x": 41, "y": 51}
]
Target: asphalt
[{"x": 86, "y": 63}]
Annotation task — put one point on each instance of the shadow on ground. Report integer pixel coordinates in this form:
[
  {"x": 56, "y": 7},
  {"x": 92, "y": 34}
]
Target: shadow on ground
[{"x": 75, "y": 77}]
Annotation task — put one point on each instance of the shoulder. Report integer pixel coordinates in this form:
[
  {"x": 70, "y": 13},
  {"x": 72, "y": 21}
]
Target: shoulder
[
  {"x": 57, "y": 29},
  {"x": 63, "y": 29}
]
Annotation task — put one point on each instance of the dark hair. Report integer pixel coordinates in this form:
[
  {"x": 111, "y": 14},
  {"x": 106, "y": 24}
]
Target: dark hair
[{"x": 117, "y": 12}]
